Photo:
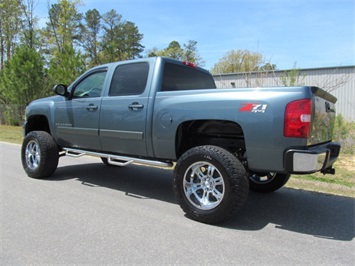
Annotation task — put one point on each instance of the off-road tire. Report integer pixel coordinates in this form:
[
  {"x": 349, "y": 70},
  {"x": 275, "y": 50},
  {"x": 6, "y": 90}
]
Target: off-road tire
[
  {"x": 228, "y": 180},
  {"x": 39, "y": 154}
]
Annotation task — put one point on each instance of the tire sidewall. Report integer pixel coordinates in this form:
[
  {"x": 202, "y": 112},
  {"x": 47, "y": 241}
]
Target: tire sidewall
[
  {"x": 235, "y": 182},
  {"x": 278, "y": 181}
]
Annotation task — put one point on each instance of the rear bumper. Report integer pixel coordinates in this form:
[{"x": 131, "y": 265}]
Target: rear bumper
[{"x": 314, "y": 159}]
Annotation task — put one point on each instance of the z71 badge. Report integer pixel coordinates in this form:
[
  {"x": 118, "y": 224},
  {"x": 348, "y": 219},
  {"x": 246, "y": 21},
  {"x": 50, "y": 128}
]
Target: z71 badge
[{"x": 253, "y": 108}]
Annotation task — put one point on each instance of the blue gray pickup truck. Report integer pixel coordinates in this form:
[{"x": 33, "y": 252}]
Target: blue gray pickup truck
[{"x": 167, "y": 113}]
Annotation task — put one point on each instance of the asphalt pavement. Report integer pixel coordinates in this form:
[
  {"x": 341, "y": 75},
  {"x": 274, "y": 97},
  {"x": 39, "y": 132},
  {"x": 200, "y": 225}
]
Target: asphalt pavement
[{"x": 90, "y": 213}]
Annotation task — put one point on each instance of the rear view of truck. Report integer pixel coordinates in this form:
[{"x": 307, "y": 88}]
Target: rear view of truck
[{"x": 312, "y": 119}]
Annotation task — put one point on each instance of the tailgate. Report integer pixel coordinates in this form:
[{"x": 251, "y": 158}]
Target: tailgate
[{"x": 323, "y": 116}]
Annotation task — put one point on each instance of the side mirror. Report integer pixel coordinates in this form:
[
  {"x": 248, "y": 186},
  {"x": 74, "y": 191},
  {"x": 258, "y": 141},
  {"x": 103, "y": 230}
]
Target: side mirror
[{"x": 61, "y": 90}]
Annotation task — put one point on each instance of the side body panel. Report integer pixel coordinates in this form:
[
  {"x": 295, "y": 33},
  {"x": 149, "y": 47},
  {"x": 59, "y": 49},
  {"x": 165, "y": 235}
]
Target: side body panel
[{"x": 260, "y": 113}]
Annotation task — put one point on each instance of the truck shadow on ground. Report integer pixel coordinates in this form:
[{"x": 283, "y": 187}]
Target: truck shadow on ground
[{"x": 316, "y": 214}]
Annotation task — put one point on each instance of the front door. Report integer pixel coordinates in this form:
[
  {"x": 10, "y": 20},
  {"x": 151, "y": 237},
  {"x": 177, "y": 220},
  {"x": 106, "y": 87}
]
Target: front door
[{"x": 77, "y": 119}]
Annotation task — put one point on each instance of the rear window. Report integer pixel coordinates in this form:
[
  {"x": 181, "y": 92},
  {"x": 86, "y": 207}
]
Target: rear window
[{"x": 178, "y": 77}]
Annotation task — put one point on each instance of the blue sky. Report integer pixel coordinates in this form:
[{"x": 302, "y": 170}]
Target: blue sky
[{"x": 313, "y": 33}]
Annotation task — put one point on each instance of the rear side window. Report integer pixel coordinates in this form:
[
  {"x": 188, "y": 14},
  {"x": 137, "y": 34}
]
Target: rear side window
[
  {"x": 130, "y": 79},
  {"x": 178, "y": 77}
]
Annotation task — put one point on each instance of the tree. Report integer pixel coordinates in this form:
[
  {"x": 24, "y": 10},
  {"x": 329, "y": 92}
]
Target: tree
[
  {"x": 191, "y": 54},
  {"x": 239, "y": 61},
  {"x": 66, "y": 67},
  {"x": 130, "y": 38},
  {"x": 23, "y": 80},
  {"x": 23, "y": 76},
  {"x": 292, "y": 77},
  {"x": 64, "y": 28},
  {"x": 90, "y": 35},
  {"x": 62, "y": 34},
  {"x": 10, "y": 25},
  {"x": 29, "y": 21},
  {"x": 175, "y": 51},
  {"x": 112, "y": 22},
  {"x": 121, "y": 39},
  {"x": 268, "y": 67}
]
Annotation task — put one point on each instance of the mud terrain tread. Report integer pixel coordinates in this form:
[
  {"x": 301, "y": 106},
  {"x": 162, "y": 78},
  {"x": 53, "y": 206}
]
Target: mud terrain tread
[{"x": 235, "y": 178}]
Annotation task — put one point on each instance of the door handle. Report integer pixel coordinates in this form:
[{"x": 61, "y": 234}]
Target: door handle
[
  {"x": 135, "y": 106},
  {"x": 91, "y": 107}
]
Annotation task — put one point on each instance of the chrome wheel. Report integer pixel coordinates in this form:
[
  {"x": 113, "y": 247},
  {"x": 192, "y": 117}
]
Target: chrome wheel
[
  {"x": 33, "y": 155},
  {"x": 266, "y": 183},
  {"x": 262, "y": 179},
  {"x": 203, "y": 185}
]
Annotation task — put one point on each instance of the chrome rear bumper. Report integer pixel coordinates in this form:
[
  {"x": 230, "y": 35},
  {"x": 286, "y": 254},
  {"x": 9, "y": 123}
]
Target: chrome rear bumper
[{"x": 314, "y": 159}]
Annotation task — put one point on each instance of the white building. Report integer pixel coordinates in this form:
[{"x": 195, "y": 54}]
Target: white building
[{"x": 340, "y": 81}]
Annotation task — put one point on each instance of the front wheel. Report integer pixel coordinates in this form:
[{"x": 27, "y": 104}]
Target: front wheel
[
  {"x": 39, "y": 154},
  {"x": 210, "y": 184},
  {"x": 267, "y": 183}
]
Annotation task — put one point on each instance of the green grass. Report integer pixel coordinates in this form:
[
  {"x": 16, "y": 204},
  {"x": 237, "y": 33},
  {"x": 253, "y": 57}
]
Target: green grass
[
  {"x": 342, "y": 183},
  {"x": 343, "y": 179},
  {"x": 11, "y": 134}
]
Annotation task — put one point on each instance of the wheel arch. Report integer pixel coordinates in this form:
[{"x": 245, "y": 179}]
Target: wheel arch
[
  {"x": 37, "y": 123},
  {"x": 223, "y": 133}
]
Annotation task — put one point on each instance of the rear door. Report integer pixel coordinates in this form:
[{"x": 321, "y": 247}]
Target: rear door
[{"x": 124, "y": 112}]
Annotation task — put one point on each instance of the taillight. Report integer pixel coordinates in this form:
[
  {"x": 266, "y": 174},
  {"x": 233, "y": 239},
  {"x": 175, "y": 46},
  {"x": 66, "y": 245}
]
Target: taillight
[
  {"x": 190, "y": 64},
  {"x": 298, "y": 116}
]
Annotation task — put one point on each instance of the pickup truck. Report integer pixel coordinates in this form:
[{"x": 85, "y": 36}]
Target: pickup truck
[{"x": 166, "y": 113}]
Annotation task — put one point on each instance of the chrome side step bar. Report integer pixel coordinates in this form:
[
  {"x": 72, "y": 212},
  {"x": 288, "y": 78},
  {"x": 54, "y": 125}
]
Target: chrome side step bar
[{"x": 115, "y": 159}]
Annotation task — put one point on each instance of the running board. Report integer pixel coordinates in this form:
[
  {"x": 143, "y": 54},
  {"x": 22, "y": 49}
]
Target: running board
[{"x": 115, "y": 159}]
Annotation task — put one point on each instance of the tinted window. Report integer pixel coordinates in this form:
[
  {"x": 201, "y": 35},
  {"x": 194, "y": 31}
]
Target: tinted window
[
  {"x": 129, "y": 79},
  {"x": 90, "y": 86},
  {"x": 178, "y": 77}
]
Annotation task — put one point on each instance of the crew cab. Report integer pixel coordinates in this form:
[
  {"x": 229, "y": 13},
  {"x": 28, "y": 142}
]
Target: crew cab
[{"x": 166, "y": 113}]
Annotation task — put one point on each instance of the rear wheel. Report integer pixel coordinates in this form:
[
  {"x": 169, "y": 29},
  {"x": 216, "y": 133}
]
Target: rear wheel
[
  {"x": 210, "y": 184},
  {"x": 39, "y": 154},
  {"x": 267, "y": 183}
]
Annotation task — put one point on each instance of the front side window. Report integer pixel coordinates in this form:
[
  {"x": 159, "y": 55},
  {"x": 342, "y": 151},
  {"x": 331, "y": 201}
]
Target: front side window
[
  {"x": 90, "y": 86},
  {"x": 130, "y": 79}
]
